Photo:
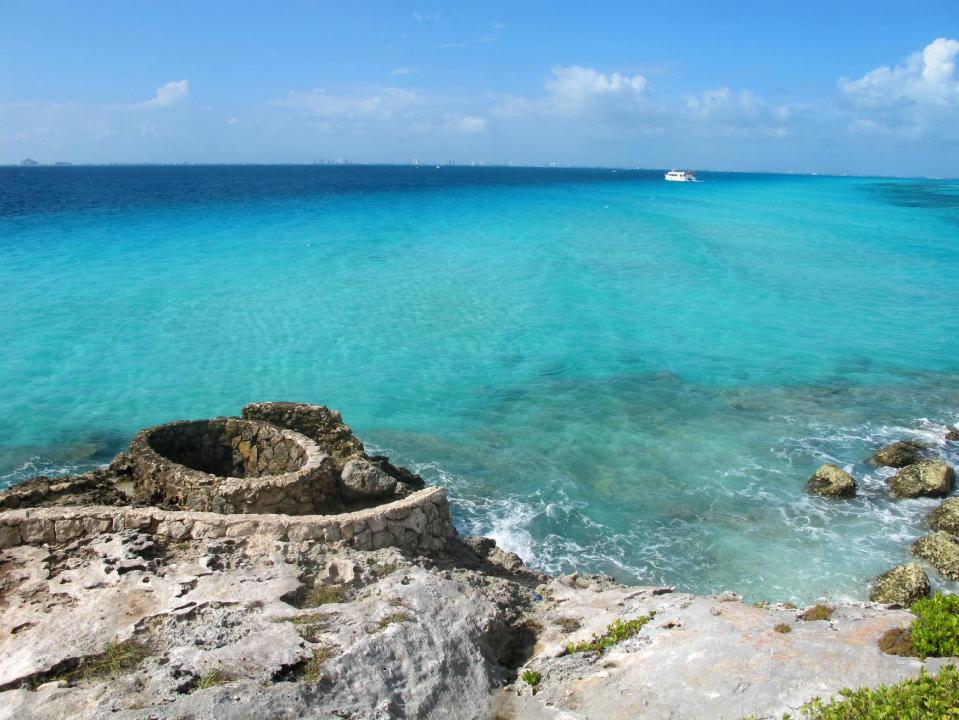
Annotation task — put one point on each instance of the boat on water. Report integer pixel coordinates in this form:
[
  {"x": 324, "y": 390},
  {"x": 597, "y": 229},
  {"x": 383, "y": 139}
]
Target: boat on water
[{"x": 681, "y": 176}]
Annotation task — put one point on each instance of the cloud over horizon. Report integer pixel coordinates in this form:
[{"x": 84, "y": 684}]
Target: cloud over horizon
[
  {"x": 579, "y": 113},
  {"x": 169, "y": 94}
]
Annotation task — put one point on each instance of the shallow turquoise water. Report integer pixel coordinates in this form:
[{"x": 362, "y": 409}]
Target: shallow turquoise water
[{"x": 607, "y": 371}]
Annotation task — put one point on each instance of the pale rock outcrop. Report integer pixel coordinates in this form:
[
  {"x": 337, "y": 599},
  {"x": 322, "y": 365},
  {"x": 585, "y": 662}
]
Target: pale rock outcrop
[{"x": 362, "y": 480}]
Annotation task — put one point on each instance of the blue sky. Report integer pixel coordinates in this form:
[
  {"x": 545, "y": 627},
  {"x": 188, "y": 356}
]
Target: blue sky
[{"x": 859, "y": 87}]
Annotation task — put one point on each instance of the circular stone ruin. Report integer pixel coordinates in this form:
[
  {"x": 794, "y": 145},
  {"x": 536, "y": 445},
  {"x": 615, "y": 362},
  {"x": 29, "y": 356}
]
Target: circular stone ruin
[{"x": 229, "y": 465}]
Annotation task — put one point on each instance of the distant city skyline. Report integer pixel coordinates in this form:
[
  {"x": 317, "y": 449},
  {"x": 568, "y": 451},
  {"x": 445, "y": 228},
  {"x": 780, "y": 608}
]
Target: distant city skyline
[{"x": 755, "y": 86}]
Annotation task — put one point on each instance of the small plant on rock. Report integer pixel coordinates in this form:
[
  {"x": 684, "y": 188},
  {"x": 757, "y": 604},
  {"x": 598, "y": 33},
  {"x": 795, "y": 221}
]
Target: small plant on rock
[
  {"x": 616, "y": 632},
  {"x": 897, "y": 641},
  {"x": 387, "y": 620},
  {"x": 817, "y": 612},
  {"x": 568, "y": 624},
  {"x": 783, "y": 628},
  {"x": 212, "y": 679},
  {"x": 323, "y": 595},
  {"x": 532, "y": 678},
  {"x": 313, "y": 670},
  {"x": 115, "y": 660}
]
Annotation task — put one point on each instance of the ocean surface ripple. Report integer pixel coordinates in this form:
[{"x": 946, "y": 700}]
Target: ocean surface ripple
[{"x": 608, "y": 372}]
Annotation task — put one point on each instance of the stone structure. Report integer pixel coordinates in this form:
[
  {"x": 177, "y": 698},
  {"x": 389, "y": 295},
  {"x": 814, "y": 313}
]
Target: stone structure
[
  {"x": 418, "y": 523},
  {"x": 322, "y": 425},
  {"x": 228, "y": 465},
  {"x": 239, "y": 477}
]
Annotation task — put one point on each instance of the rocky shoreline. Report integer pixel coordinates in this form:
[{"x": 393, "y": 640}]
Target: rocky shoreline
[{"x": 268, "y": 566}]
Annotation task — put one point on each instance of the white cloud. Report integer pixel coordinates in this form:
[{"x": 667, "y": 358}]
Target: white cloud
[
  {"x": 575, "y": 89},
  {"x": 916, "y": 101},
  {"x": 426, "y": 17},
  {"x": 397, "y": 72},
  {"x": 383, "y": 104},
  {"x": 466, "y": 124},
  {"x": 170, "y": 94},
  {"x": 725, "y": 110},
  {"x": 928, "y": 77}
]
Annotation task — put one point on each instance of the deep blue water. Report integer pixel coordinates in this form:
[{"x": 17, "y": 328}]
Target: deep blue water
[{"x": 608, "y": 372}]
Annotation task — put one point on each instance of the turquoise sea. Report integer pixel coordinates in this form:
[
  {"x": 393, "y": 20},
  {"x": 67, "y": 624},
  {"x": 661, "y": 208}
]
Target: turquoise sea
[{"x": 607, "y": 371}]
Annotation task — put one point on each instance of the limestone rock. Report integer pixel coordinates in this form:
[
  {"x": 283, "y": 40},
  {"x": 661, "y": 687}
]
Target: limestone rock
[
  {"x": 952, "y": 434},
  {"x": 898, "y": 454},
  {"x": 362, "y": 480},
  {"x": 945, "y": 517},
  {"x": 902, "y": 585},
  {"x": 941, "y": 551},
  {"x": 929, "y": 478},
  {"x": 831, "y": 481}
]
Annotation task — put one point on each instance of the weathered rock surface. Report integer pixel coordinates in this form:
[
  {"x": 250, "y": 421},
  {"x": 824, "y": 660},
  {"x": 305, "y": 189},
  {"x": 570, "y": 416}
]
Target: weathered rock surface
[
  {"x": 899, "y": 454},
  {"x": 255, "y": 627},
  {"x": 941, "y": 551},
  {"x": 945, "y": 517},
  {"x": 93, "y": 488},
  {"x": 833, "y": 482},
  {"x": 929, "y": 478},
  {"x": 389, "y": 639},
  {"x": 699, "y": 658},
  {"x": 952, "y": 434},
  {"x": 902, "y": 585},
  {"x": 381, "y": 612},
  {"x": 361, "y": 480}
]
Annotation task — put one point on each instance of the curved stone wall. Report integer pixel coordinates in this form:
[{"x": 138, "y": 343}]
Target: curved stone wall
[
  {"x": 229, "y": 465},
  {"x": 419, "y": 523}
]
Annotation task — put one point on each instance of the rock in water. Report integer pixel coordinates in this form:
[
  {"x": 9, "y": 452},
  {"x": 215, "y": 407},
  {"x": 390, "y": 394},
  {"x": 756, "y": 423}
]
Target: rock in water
[
  {"x": 952, "y": 433},
  {"x": 899, "y": 454},
  {"x": 945, "y": 517},
  {"x": 929, "y": 478},
  {"x": 833, "y": 482},
  {"x": 362, "y": 480},
  {"x": 902, "y": 585},
  {"x": 941, "y": 551}
]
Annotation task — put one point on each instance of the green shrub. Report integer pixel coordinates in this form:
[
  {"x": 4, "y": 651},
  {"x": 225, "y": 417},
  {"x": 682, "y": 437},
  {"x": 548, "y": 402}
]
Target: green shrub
[
  {"x": 928, "y": 697},
  {"x": 783, "y": 628},
  {"x": 532, "y": 678},
  {"x": 616, "y": 632},
  {"x": 935, "y": 631}
]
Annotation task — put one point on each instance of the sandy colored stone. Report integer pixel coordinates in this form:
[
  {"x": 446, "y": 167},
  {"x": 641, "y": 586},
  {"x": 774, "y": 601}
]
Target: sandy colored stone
[
  {"x": 898, "y": 454},
  {"x": 945, "y": 517},
  {"x": 941, "y": 551},
  {"x": 832, "y": 482},
  {"x": 902, "y": 585},
  {"x": 929, "y": 478}
]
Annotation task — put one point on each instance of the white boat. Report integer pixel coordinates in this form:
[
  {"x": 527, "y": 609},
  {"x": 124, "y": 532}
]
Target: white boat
[{"x": 681, "y": 176}]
